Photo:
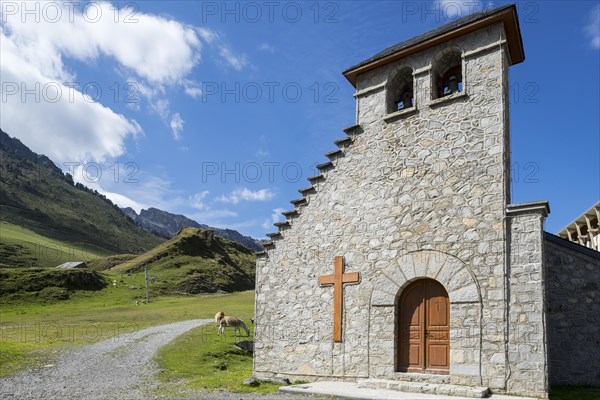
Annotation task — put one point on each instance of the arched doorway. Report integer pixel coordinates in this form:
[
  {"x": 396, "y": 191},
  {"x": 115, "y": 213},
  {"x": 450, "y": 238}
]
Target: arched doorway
[{"x": 423, "y": 318}]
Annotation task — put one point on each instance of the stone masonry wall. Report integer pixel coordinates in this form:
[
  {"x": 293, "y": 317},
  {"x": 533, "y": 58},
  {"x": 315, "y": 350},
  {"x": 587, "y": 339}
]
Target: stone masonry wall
[
  {"x": 527, "y": 356},
  {"x": 432, "y": 179},
  {"x": 573, "y": 291}
]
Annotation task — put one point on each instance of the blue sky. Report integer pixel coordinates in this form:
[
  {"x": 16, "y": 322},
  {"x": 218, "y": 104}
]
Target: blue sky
[{"x": 219, "y": 111}]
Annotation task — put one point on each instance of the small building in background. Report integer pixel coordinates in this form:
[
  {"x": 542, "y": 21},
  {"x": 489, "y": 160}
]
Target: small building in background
[
  {"x": 585, "y": 229},
  {"x": 72, "y": 264}
]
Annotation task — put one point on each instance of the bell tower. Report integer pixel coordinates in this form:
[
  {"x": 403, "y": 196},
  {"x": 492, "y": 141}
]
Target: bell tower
[{"x": 437, "y": 106}]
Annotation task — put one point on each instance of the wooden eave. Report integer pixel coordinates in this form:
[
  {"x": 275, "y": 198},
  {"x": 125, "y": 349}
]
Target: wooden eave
[{"x": 507, "y": 16}]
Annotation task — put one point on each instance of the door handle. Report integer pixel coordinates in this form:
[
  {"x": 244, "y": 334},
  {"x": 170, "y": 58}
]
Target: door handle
[{"x": 426, "y": 333}]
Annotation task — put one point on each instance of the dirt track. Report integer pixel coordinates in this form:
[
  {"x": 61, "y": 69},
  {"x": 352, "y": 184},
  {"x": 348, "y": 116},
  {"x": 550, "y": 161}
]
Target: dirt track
[{"x": 120, "y": 368}]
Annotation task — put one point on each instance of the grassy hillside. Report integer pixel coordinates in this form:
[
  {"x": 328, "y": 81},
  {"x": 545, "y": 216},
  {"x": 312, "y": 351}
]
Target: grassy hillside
[
  {"x": 102, "y": 264},
  {"x": 35, "y": 194},
  {"x": 47, "y": 285},
  {"x": 195, "y": 261},
  {"x": 33, "y": 333},
  {"x": 21, "y": 247},
  {"x": 192, "y": 262}
]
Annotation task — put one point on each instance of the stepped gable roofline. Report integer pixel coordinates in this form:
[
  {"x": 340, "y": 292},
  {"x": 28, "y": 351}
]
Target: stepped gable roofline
[{"x": 462, "y": 26}]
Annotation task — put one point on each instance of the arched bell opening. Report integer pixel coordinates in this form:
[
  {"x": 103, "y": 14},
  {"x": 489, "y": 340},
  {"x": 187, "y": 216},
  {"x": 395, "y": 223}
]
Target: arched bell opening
[
  {"x": 447, "y": 74},
  {"x": 400, "y": 90}
]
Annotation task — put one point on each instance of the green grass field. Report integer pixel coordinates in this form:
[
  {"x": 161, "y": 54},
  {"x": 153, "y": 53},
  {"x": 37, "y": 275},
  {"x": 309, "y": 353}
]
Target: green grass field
[
  {"x": 206, "y": 361},
  {"x": 21, "y": 247},
  {"x": 37, "y": 322},
  {"x": 200, "y": 360},
  {"x": 32, "y": 333}
]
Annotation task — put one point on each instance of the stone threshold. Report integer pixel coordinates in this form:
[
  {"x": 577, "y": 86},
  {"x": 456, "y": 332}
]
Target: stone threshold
[
  {"x": 418, "y": 377},
  {"x": 351, "y": 390},
  {"x": 423, "y": 387}
]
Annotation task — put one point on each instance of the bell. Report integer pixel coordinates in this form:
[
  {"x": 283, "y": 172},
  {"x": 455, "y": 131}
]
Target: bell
[
  {"x": 407, "y": 99},
  {"x": 452, "y": 84}
]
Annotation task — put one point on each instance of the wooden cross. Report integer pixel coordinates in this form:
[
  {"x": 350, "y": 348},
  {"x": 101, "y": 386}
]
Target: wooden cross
[{"x": 337, "y": 280}]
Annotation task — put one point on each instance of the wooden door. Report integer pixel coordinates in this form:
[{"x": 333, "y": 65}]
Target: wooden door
[{"x": 424, "y": 328}]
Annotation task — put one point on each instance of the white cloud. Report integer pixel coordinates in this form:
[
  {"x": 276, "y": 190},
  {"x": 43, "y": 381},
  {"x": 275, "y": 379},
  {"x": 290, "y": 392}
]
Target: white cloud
[
  {"x": 192, "y": 88},
  {"x": 176, "y": 126},
  {"x": 123, "y": 201},
  {"x": 245, "y": 194},
  {"x": 275, "y": 217},
  {"x": 262, "y": 150},
  {"x": 237, "y": 61},
  {"x": 207, "y": 35},
  {"x": 266, "y": 47},
  {"x": 80, "y": 128},
  {"x": 261, "y": 153},
  {"x": 592, "y": 29},
  {"x": 155, "y": 50},
  {"x": 213, "y": 217},
  {"x": 242, "y": 225},
  {"x": 197, "y": 200},
  {"x": 127, "y": 186},
  {"x": 152, "y": 191},
  {"x": 206, "y": 214},
  {"x": 160, "y": 106}
]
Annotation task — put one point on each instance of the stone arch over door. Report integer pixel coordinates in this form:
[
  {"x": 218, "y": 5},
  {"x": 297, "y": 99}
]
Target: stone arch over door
[
  {"x": 448, "y": 270},
  {"x": 465, "y": 312}
]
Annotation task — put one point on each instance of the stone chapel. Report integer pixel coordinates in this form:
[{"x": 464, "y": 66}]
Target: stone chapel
[{"x": 404, "y": 264}]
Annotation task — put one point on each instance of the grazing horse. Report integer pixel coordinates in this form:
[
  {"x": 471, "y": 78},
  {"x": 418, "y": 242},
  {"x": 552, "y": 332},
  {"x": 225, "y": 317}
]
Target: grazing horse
[{"x": 225, "y": 321}]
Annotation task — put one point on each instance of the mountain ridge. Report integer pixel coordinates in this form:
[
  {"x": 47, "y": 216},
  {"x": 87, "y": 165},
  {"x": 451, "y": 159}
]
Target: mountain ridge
[
  {"x": 168, "y": 225},
  {"x": 35, "y": 194},
  {"x": 193, "y": 261}
]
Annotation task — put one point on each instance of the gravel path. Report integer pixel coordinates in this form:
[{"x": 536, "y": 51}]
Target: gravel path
[
  {"x": 242, "y": 396},
  {"x": 116, "y": 368},
  {"x": 120, "y": 368}
]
